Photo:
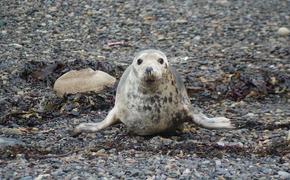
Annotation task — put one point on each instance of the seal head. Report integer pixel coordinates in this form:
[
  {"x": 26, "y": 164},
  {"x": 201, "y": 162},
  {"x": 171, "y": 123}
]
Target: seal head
[{"x": 150, "y": 67}]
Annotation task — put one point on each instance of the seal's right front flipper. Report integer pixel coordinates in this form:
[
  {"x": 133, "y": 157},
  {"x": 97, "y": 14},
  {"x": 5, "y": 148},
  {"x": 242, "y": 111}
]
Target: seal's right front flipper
[
  {"x": 94, "y": 127},
  {"x": 212, "y": 123}
]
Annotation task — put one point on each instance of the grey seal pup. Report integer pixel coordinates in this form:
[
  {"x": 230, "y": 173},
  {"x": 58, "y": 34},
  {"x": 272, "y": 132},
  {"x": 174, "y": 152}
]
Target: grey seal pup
[{"x": 151, "y": 98}]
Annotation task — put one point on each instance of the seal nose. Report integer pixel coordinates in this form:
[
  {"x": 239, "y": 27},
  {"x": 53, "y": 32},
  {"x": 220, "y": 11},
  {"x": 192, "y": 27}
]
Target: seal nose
[{"x": 149, "y": 70}]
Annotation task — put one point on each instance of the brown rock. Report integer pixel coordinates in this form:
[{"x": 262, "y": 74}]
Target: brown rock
[{"x": 83, "y": 81}]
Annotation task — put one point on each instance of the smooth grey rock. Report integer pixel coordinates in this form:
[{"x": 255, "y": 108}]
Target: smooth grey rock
[
  {"x": 27, "y": 178},
  {"x": 4, "y": 142},
  {"x": 284, "y": 174}
]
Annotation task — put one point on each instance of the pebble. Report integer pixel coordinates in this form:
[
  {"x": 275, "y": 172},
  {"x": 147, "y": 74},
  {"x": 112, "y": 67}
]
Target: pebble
[
  {"x": 4, "y": 142},
  {"x": 181, "y": 21},
  {"x": 16, "y": 45},
  {"x": 52, "y": 9},
  {"x": 220, "y": 143},
  {"x": 196, "y": 39},
  {"x": 238, "y": 104},
  {"x": 222, "y": 2},
  {"x": 186, "y": 172},
  {"x": 283, "y": 31},
  {"x": 26, "y": 178},
  {"x": 43, "y": 176},
  {"x": 266, "y": 170},
  {"x": 206, "y": 162},
  {"x": 218, "y": 163},
  {"x": 221, "y": 178},
  {"x": 3, "y": 32},
  {"x": 284, "y": 174},
  {"x": 250, "y": 115},
  {"x": 10, "y": 131}
]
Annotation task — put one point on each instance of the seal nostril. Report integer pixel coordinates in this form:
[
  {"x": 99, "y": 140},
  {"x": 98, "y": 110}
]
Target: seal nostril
[{"x": 148, "y": 70}]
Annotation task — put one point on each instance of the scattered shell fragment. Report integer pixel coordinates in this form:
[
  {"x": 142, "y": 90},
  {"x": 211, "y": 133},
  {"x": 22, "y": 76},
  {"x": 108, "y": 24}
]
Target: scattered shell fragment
[
  {"x": 283, "y": 31},
  {"x": 83, "y": 81}
]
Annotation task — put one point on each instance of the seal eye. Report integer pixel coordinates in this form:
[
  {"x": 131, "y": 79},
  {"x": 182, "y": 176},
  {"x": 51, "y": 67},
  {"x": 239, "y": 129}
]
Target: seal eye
[
  {"x": 139, "y": 61},
  {"x": 160, "y": 60}
]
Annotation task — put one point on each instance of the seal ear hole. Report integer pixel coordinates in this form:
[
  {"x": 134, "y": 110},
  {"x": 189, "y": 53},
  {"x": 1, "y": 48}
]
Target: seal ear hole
[
  {"x": 161, "y": 61},
  {"x": 139, "y": 61}
]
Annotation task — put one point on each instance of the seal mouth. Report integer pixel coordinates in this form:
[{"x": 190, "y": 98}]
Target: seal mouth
[{"x": 150, "y": 80}]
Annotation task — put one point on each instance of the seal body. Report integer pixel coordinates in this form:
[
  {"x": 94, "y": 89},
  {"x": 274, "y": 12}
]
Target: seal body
[
  {"x": 151, "y": 98},
  {"x": 150, "y": 111}
]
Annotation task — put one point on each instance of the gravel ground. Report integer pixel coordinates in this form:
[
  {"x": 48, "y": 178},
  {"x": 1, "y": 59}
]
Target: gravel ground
[{"x": 229, "y": 53}]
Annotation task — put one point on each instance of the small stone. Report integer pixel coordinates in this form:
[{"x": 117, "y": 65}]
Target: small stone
[
  {"x": 222, "y": 2},
  {"x": 266, "y": 170},
  {"x": 161, "y": 37},
  {"x": 284, "y": 174},
  {"x": 250, "y": 115},
  {"x": 206, "y": 162},
  {"x": 48, "y": 16},
  {"x": 221, "y": 178},
  {"x": 16, "y": 45},
  {"x": 187, "y": 44},
  {"x": 218, "y": 163},
  {"x": 220, "y": 143},
  {"x": 101, "y": 151},
  {"x": 21, "y": 93},
  {"x": 283, "y": 31},
  {"x": 27, "y": 178},
  {"x": 186, "y": 172},
  {"x": 196, "y": 39},
  {"x": 238, "y": 104},
  {"x": 10, "y": 131},
  {"x": 52, "y": 9},
  {"x": 75, "y": 112},
  {"x": 43, "y": 176},
  {"x": 181, "y": 21},
  {"x": 2, "y": 23},
  {"x": 288, "y": 136},
  {"x": 9, "y": 142},
  {"x": 3, "y": 32}
]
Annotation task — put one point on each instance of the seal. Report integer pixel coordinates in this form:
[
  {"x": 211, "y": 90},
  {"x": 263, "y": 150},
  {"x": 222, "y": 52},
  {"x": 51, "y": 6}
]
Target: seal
[{"x": 151, "y": 98}]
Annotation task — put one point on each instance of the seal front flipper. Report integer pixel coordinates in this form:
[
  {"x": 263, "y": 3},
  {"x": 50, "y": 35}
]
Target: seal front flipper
[
  {"x": 94, "y": 127},
  {"x": 194, "y": 113},
  {"x": 212, "y": 123}
]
